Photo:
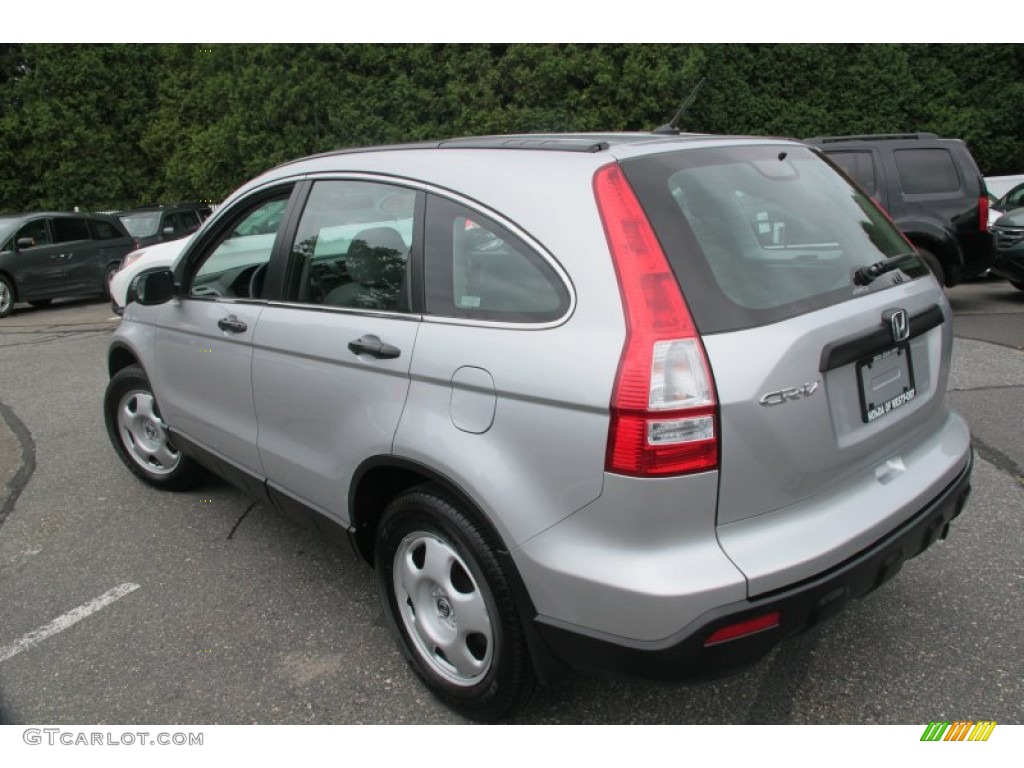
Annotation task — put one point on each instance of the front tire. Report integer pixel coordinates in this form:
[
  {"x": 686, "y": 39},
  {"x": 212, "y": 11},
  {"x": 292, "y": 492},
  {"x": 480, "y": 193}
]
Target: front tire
[
  {"x": 449, "y": 604},
  {"x": 141, "y": 438},
  {"x": 6, "y": 296},
  {"x": 1018, "y": 286}
]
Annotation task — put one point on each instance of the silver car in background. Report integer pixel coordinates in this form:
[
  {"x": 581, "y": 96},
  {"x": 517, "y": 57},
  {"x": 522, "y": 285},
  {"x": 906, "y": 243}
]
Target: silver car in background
[{"x": 629, "y": 402}]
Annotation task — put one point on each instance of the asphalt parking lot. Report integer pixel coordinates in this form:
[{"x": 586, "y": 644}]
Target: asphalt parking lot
[{"x": 122, "y": 604}]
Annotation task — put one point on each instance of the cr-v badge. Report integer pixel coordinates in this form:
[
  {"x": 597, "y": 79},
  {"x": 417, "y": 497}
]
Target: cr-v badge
[{"x": 789, "y": 393}]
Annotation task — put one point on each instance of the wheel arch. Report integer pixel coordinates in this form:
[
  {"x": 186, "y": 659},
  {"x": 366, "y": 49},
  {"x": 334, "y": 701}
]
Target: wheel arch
[
  {"x": 120, "y": 357},
  {"x": 944, "y": 248},
  {"x": 380, "y": 479}
]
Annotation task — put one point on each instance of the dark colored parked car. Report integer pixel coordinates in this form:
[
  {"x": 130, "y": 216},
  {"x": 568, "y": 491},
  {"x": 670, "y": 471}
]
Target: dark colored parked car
[
  {"x": 1009, "y": 234},
  {"x": 933, "y": 191},
  {"x": 44, "y": 256},
  {"x": 1011, "y": 200},
  {"x": 160, "y": 223}
]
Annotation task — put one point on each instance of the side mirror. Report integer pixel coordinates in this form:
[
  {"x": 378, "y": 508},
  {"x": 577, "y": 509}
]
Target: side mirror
[
  {"x": 168, "y": 230},
  {"x": 26, "y": 242},
  {"x": 152, "y": 288}
]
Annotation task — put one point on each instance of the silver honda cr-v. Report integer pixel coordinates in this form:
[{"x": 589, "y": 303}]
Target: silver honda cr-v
[{"x": 632, "y": 402}]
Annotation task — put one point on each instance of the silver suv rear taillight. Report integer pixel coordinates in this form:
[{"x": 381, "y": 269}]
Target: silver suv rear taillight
[{"x": 663, "y": 411}]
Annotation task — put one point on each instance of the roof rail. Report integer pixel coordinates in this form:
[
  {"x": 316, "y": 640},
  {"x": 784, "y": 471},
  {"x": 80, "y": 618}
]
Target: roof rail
[
  {"x": 872, "y": 137},
  {"x": 553, "y": 143}
]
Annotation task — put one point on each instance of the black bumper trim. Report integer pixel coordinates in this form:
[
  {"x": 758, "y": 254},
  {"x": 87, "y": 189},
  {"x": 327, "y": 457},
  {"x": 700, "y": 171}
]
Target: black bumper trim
[{"x": 684, "y": 655}]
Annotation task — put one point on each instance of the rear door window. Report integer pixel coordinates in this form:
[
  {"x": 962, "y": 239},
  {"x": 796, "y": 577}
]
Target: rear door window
[
  {"x": 758, "y": 234},
  {"x": 70, "y": 230},
  {"x": 352, "y": 246}
]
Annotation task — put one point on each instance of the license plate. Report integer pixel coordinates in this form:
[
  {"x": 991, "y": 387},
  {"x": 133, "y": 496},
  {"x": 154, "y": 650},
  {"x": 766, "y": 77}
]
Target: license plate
[{"x": 886, "y": 382}]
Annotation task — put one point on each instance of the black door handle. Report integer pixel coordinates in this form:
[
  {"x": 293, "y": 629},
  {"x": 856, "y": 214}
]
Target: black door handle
[
  {"x": 372, "y": 345},
  {"x": 231, "y": 324}
]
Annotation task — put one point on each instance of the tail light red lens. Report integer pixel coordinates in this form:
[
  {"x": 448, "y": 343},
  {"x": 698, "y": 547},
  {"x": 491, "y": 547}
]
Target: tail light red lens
[
  {"x": 983, "y": 213},
  {"x": 664, "y": 415}
]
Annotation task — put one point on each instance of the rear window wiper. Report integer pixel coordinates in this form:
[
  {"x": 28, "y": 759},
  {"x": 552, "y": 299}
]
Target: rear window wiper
[{"x": 866, "y": 275}]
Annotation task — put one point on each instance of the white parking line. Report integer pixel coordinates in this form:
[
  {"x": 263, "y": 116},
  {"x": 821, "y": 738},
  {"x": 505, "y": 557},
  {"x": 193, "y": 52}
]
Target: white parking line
[{"x": 63, "y": 622}]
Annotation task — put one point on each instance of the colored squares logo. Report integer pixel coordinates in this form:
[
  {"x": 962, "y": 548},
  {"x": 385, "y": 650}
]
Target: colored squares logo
[{"x": 959, "y": 730}]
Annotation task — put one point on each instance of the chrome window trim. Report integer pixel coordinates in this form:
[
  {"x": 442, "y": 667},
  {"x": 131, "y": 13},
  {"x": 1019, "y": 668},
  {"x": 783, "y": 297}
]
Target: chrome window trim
[{"x": 473, "y": 205}]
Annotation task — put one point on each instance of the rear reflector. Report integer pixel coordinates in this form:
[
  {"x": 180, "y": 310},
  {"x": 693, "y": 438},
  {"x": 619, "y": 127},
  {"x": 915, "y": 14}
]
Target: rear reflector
[{"x": 744, "y": 628}]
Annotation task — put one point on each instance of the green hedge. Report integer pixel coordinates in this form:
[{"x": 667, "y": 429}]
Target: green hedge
[{"x": 110, "y": 126}]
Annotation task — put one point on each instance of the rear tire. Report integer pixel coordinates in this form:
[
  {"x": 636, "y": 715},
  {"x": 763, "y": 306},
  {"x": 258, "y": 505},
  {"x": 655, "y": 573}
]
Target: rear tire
[
  {"x": 1018, "y": 286},
  {"x": 449, "y": 605},
  {"x": 141, "y": 438}
]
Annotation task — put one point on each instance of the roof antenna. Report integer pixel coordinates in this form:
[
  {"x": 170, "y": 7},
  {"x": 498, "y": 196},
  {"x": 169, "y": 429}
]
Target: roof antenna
[{"x": 672, "y": 128}]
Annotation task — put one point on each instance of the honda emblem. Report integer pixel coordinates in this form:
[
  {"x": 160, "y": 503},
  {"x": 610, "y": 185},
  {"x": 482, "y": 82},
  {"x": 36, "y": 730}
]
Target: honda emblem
[{"x": 898, "y": 323}]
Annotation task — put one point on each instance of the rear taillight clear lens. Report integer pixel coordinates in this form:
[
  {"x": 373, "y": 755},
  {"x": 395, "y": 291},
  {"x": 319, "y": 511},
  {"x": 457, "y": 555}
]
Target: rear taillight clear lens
[
  {"x": 679, "y": 378},
  {"x": 664, "y": 413},
  {"x": 983, "y": 213}
]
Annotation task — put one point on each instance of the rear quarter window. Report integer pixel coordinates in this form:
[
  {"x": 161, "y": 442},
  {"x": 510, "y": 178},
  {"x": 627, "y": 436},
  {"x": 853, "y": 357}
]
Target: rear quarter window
[
  {"x": 476, "y": 269},
  {"x": 758, "y": 234},
  {"x": 105, "y": 230},
  {"x": 926, "y": 171}
]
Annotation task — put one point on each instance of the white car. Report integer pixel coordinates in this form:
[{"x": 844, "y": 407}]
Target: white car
[
  {"x": 157, "y": 255},
  {"x": 243, "y": 247}
]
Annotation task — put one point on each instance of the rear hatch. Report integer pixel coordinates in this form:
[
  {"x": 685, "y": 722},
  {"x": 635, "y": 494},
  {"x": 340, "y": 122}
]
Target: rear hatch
[{"x": 830, "y": 373}]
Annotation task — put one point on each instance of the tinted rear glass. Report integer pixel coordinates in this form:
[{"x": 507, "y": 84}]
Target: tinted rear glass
[
  {"x": 926, "y": 171},
  {"x": 758, "y": 234},
  {"x": 859, "y": 165},
  {"x": 69, "y": 230},
  {"x": 105, "y": 230}
]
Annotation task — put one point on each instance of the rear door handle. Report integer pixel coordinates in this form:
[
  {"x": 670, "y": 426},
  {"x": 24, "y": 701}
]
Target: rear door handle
[
  {"x": 372, "y": 345},
  {"x": 231, "y": 324}
]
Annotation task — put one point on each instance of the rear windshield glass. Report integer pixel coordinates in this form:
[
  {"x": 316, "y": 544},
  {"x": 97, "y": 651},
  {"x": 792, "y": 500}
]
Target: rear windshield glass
[
  {"x": 758, "y": 234},
  {"x": 141, "y": 224}
]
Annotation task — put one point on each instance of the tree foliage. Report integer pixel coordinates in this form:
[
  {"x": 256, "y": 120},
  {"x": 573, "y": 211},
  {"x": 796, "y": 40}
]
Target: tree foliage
[{"x": 110, "y": 126}]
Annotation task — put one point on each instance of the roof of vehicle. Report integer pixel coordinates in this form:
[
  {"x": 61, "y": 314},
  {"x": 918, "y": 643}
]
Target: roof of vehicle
[
  {"x": 553, "y": 142},
  {"x": 29, "y": 214},
  {"x": 876, "y": 137},
  {"x": 158, "y": 207},
  {"x": 551, "y": 152}
]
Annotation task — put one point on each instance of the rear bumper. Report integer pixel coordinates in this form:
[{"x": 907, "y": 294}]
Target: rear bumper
[{"x": 801, "y": 606}]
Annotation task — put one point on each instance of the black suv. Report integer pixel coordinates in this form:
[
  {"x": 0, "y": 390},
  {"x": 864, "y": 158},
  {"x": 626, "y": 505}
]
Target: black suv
[
  {"x": 933, "y": 191},
  {"x": 44, "y": 256},
  {"x": 159, "y": 223}
]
